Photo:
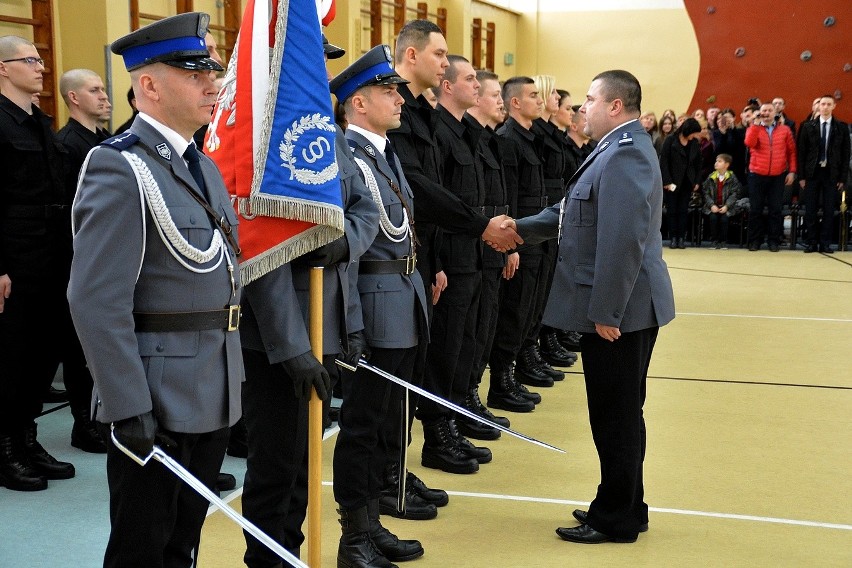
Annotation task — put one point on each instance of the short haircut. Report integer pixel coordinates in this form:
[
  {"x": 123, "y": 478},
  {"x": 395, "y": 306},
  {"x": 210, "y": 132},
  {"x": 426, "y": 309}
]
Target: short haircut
[
  {"x": 725, "y": 158},
  {"x": 563, "y": 94},
  {"x": 827, "y": 97},
  {"x": 576, "y": 108},
  {"x": 483, "y": 75},
  {"x": 415, "y": 34},
  {"x": 451, "y": 73},
  {"x": 513, "y": 87},
  {"x": 619, "y": 84},
  {"x": 690, "y": 126},
  {"x": 11, "y": 44},
  {"x": 73, "y": 80}
]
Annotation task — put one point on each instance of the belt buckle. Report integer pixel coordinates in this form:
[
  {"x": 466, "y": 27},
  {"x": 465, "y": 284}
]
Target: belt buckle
[
  {"x": 234, "y": 318},
  {"x": 410, "y": 263}
]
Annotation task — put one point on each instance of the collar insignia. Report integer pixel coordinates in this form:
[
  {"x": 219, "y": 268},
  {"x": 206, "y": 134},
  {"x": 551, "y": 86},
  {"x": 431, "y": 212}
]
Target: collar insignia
[
  {"x": 626, "y": 139},
  {"x": 163, "y": 151},
  {"x": 369, "y": 149}
]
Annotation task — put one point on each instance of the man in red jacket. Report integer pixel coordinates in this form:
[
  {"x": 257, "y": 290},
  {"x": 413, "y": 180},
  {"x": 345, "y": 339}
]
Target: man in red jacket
[{"x": 772, "y": 166}]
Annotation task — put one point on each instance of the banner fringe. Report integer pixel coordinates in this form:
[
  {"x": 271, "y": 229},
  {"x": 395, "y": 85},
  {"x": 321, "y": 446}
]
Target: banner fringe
[{"x": 285, "y": 252}]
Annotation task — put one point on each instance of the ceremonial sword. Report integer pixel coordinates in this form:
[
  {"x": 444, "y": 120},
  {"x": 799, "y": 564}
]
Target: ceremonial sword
[
  {"x": 158, "y": 454},
  {"x": 447, "y": 404}
]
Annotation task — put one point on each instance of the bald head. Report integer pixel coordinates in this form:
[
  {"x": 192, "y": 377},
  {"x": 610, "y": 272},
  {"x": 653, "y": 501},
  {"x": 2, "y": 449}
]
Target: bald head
[
  {"x": 10, "y": 46},
  {"x": 75, "y": 80}
]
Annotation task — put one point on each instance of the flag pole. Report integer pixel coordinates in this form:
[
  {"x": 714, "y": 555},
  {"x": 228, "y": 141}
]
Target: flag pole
[{"x": 315, "y": 428}]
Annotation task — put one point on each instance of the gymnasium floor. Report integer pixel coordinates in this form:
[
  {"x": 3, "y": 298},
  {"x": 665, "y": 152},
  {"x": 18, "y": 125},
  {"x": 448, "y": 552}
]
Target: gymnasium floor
[{"x": 749, "y": 417}]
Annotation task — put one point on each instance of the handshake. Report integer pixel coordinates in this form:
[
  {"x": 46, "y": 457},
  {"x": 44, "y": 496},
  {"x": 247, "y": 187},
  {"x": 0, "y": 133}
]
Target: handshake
[{"x": 501, "y": 234}]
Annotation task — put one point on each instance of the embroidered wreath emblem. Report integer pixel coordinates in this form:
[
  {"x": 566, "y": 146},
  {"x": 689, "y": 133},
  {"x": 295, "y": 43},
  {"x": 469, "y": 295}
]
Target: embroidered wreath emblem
[{"x": 317, "y": 148}]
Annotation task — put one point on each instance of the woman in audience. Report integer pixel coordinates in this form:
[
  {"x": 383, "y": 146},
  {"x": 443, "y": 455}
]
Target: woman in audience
[{"x": 680, "y": 165}]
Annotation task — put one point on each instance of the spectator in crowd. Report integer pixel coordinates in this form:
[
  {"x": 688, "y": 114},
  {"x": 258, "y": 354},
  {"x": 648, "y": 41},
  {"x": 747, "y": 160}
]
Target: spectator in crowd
[
  {"x": 578, "y": 141},
  {"x": 131, "y": 100},
  {"x": 667, "y": 127},
  {"x": 823, "y": 153},
  {"x": 35, "y": 255},
  {"x": 705, "y": 142},
  {"x": 712, "y": 115},
  {"x": 680, "y": 165},
  {"x": 649, "y": 121},
  {"x": 746, "y": 116},
  {"x": 721, "y": 190},
  {"x": 670, "y": 113},
  {"x": 698, "y": 114},
  {"x": 728, "y": 139},
  {"x": 780, "y": 117},
  {"x": 772, "y": 165}
]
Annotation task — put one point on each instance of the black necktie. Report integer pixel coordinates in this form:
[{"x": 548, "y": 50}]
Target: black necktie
[
  {"x": 193, "y": 162},
  {"x": 390, "y": 156},
  {"x": 823, "y": 140}
]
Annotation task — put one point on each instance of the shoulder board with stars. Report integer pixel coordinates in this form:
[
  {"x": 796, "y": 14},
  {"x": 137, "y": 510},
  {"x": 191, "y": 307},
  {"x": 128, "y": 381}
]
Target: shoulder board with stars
[
  {"x": 122, "y": 141},
  {"x": 626, "y": 139}
]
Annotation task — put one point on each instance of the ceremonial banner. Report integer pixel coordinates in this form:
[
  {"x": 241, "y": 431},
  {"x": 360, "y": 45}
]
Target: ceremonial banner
[
  {"x": 272, "y": 136},
  {"x": 327, "y": 11}
]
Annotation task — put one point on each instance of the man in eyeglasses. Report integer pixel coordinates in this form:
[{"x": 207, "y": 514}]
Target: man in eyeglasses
[{"x": 35, "y": 255}]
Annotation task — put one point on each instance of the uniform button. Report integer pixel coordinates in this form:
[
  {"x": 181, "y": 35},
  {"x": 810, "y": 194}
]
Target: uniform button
[
  {"x": 160, "y": 348},
  {"x": 380, "y": 285},
  {"x": 560, "y": 259}
]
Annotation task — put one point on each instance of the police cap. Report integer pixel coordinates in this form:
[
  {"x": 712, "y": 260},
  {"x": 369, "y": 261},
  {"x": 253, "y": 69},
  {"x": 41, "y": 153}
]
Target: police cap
[
  {"x": 331, "y": 51},
  {"x": 372, "y": 68},
  {"x": 177, "y": 41}
]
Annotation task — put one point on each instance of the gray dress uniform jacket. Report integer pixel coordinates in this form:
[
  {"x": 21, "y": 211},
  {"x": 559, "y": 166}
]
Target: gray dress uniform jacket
[
  {"x": 609, "y": 267},
  {"x": 190, "y": 380},
  {"x": 393, "y": 305}
]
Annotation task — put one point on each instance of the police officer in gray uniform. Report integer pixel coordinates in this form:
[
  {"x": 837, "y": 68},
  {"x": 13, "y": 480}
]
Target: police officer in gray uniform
[
  {"x": 155, "y": 294},
  {"x": 394, "y": 312},
  {"x": 280, "y": 368}
]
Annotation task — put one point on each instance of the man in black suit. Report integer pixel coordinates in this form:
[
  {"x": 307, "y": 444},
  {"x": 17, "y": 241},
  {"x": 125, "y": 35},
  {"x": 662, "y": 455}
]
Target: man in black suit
[
  {"x": 612, "y": 285},
  {"x": 823, "y": 152}
]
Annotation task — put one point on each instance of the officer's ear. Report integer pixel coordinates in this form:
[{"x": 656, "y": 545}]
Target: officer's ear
[
  {"x": 616, "y": 106},
  {"x": 358, "y": 101}
]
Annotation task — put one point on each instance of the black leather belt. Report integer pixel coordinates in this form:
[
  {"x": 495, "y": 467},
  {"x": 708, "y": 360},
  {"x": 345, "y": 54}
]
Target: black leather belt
[
  {"x": 36, "y": 211},
  {"x": 494, "y": 210},
  {"x": 533, "y": 201},
  {"x": 404, "y": 265},
  {"x": 227, "y": 319}
]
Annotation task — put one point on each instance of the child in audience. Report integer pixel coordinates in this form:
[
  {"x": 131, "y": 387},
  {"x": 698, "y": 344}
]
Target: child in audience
[{"x": 721, "y": 190}]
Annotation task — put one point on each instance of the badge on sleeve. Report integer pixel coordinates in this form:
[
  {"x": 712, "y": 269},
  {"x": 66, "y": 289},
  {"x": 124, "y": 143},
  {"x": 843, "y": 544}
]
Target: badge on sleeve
[
  {"x": 163, "y": 151},
  {"x": 626, "y": 139}
]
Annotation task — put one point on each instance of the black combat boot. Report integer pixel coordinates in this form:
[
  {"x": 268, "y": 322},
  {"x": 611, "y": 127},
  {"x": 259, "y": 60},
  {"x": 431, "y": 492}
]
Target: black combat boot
[
  {"x": 470, "y": 427},
  {"x": 553, "y": 353},
  {"x": 42, "y": 462},
  {"x": 84, "y": 434},
  {"x": 480, "y": 453},
  {"x": 417, "y": 508},
  {"x": 15, "y": 473},
  {"x": 440, "y": 450},
  {"x": 554, "y": 374},
  {"x": 528, "y": 372},
  {"x": 474, "y": 404},
  {"x": 523, "y": 391},
  {"x": 389, "y": 544},
  {"x": 437, "y": 497},
  {"x": 570, "y": 340},
  {"x": 503, "y": 395},
  {"x": 356, "y": 548}
]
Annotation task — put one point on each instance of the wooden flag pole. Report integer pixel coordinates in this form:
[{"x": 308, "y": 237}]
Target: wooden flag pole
[{"x": 315, "y": 428}]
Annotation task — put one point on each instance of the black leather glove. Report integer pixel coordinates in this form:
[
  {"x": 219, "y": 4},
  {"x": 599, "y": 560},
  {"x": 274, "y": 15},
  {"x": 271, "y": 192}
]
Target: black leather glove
[
  {"x": 137, "y": 433},
  {"x": 357, "y": 348},
  {"x": 331, "y": 253},
  {"x": 307, "y": 372}
]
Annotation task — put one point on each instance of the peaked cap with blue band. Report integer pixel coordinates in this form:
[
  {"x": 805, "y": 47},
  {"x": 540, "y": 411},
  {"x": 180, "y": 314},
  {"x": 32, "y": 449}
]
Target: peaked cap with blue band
[
  {"x": 372, "y": 68},
  {"x": 177, "y": 41}
]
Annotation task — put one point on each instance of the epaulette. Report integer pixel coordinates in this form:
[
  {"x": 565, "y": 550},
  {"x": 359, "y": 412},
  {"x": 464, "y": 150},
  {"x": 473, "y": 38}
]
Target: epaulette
[
  {"x": 626, "y": 139},
  {"x": 120, "y": 142}
]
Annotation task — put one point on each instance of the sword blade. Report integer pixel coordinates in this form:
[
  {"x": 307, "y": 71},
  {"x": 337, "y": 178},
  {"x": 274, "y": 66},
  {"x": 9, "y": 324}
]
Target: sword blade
[
  {"x": 452, "y": 406},
  {"x": 175, "y": 467}
]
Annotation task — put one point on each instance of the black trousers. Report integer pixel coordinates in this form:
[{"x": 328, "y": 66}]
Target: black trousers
[
  {"x": 765, "y": 191},
  {"x": 449, "y": 359},
  {"x": 718, "y": 227},
  {"x": 486, "y": 326},
  {"x": 277, "y": 425},
  {"x": 820, "y": 190},
  {"x": 369, "y": 417},
  {"x": 31, "y": 345},
  {"x": 517, "y": 303},
  {"x": 155, "y": 517},
  {"x": 677, "y": 209},
  {"x": 616, "y": 374},
  {"x": 548, "y": 268}
]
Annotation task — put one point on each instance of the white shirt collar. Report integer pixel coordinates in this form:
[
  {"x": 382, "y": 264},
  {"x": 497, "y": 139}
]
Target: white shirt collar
[
  {"x": 375, "y": 139},
  {"x": 176, "y": 140},
  {"x": 617, "y": 127},
  {"x": 823, "y": 120}
]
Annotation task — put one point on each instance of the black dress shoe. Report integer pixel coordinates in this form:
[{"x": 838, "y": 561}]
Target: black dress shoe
[
  {"x": 773, "y": 247},
  {"x": 826, "y": 249},
  {"x": 811, "y": 248},
  {"x": 753, "y": 247},
  {"x": 580, "y": 515},
  {"x": 584, "y": 534}
]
